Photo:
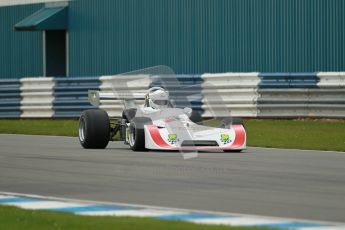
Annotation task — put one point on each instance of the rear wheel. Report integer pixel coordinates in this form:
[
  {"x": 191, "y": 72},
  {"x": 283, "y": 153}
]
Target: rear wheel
[
  {"x": 129, "y": 114},
  {"x": 94, "y": 129},
  {"x": 226, "y": 122},
  {"x": 237, "y": 121}
]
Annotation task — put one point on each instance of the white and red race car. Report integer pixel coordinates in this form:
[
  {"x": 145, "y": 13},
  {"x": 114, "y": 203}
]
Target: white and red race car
[{"x": 157, "y": 126}]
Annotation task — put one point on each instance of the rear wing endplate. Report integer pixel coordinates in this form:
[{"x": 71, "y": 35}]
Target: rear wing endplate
[{"x": 95, "y": 97}]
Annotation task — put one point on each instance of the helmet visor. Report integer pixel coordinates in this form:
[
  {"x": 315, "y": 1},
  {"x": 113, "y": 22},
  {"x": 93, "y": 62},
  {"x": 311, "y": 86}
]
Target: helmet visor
[{"x": 160, "y": 102}]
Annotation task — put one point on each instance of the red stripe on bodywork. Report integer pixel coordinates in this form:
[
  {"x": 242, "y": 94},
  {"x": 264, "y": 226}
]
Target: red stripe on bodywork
[
  {"x": 156, "y": 137},
  {"x": 240, "y": 137}
]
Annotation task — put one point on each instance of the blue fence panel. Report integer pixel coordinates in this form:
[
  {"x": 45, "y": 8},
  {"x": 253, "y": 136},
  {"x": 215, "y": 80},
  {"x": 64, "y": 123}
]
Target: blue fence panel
[
  {"x": 276, "y": 81},
  {"x": 288, "y": 80},
  {"x": 10, "y": 98},
  {"x": 71, "y": 95}
]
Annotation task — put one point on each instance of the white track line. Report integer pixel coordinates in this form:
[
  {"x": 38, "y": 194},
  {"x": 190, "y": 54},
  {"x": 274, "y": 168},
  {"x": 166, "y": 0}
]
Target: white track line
[
  {"x": 36, "y": 205},
  {"x": 134, "y": 213},
  {"x": 90, "y": 202},
  {"x": 237, "y": 221}
]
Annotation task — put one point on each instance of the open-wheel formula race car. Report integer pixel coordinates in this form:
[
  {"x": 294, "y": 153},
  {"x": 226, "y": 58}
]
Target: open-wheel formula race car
[{"x": 157, "y": 126}]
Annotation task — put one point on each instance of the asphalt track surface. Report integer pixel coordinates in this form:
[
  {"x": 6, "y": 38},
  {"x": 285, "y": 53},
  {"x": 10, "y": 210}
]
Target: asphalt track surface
[{"x": 271, "y": 182}]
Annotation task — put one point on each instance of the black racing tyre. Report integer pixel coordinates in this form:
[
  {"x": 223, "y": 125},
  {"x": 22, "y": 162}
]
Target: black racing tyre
[
  {"x": 196, "y": 116},
  {"x": 237, "y": 121},
  {"x": 231, "y": 120},
  {"x": 94, "y": 129},
  {"x": 136, "y": 133},
  {"x": 129, "y": 114}
]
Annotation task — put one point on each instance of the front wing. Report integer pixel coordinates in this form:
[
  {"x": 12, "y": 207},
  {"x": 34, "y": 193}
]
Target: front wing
[{"x": 233, "y": 138}]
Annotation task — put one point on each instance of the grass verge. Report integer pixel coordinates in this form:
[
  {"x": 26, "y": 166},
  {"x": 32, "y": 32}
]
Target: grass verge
[
  {"x": 15, "y": 218},
  {"x": 296, "y": 134},
  {"x": 40, "y": 127}
]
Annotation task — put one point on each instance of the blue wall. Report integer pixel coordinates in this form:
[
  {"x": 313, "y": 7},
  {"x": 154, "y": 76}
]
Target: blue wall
[
  {"x": 198, "y": 36},
  {"x": 191, "y": 36},
  {"x": 20, "y": 52}
]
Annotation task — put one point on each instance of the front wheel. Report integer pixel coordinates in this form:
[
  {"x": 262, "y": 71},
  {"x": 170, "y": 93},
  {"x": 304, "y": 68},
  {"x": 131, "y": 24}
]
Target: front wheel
[
  {"x": 94, "y": 129},
  {"x": 136, "y": 133}
]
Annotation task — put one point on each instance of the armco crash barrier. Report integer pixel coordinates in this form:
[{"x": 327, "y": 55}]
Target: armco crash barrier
[
  {"x": 184, "y": 90},
  {"x": 71, "y": 95},
  {"x": 286, "y": 94},
  {"x": 234, "y": 93},
  {"x": 301, "y": 95},
  {"x": 240, "y": 94},
  {"x": 10, "y": 98},
  {"x": 37, "y": 96}
]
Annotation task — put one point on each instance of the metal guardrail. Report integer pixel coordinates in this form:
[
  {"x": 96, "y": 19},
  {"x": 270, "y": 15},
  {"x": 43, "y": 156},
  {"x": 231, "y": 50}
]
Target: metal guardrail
[
  {"x": 71, "y": 95},
  {"x": 230, "y": 93},
  {"x": 136, "y": 84},
  {"x": 184, "y": 90},
  {"x": 288, "y": 80},
  {"x": 10, "y": 98},
  {"x": 301, "y": 95},
  {"x": 242, "y": 94},
  {"x": 37, "y": 97}
]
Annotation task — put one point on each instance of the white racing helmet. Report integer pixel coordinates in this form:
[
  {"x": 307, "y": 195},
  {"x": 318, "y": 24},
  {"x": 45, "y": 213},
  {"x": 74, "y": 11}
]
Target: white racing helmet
[{"x": 157, "y": 98}]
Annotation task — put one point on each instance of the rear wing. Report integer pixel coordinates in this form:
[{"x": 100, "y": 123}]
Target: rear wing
[{"x": 127, "y": 98}]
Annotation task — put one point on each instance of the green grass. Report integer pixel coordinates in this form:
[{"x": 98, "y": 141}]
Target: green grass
[
  {"x": 40, "y": 127},
  {"x": 297, "y": 134},
  {"x": 15, "y": 218}
]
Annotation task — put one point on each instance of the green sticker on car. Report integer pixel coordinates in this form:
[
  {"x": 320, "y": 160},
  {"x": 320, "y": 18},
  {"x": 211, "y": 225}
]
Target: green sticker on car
[
  {"x": 172, "y": 138},
  {"x": 225, "y": 138}
]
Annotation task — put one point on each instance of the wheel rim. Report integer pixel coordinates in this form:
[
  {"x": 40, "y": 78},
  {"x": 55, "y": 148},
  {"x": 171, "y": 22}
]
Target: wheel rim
[
  {"x": 131, "y": 136},
  {"x": 82, "y": 130}
]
